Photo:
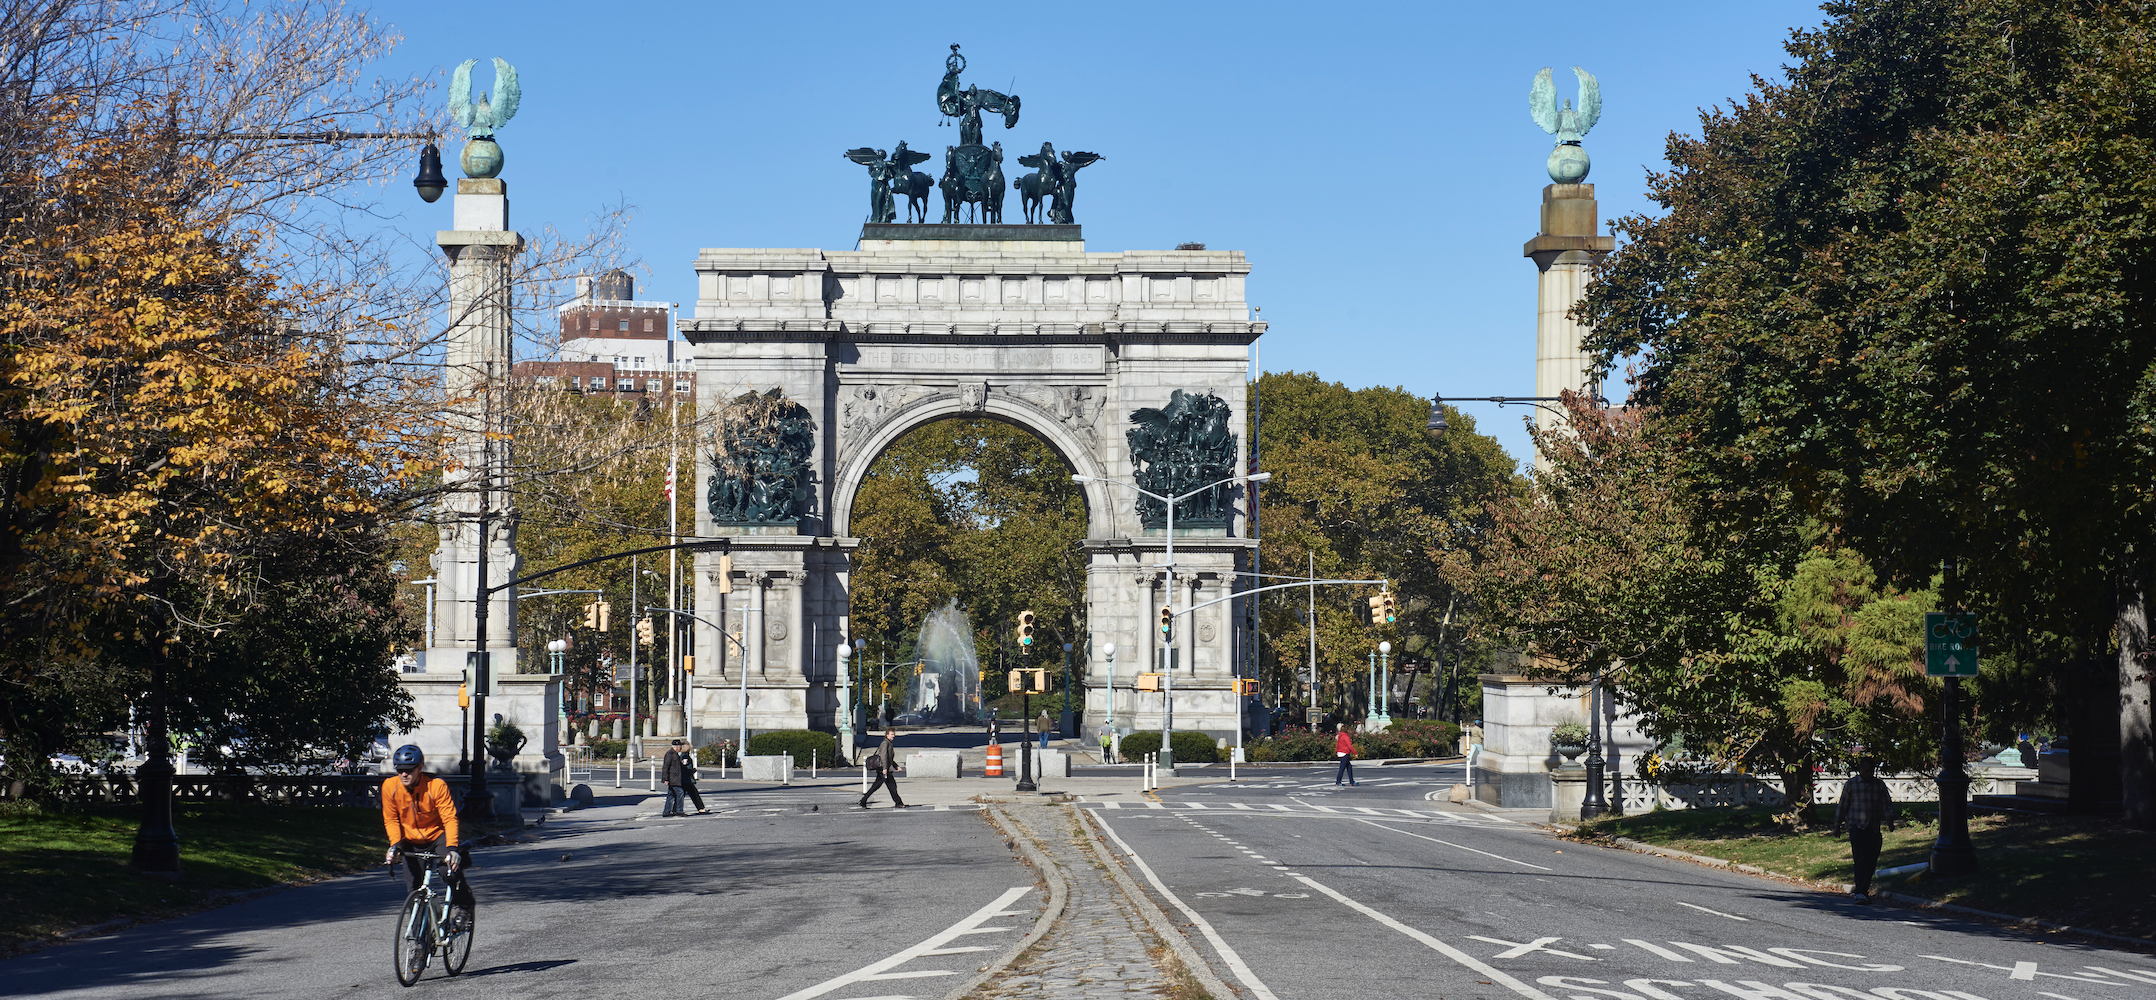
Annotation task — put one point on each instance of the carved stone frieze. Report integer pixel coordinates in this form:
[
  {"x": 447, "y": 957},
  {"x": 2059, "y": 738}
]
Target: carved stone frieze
[
  {"x": 1074, "y": 406},
  {"x": 864, "y": 408}
]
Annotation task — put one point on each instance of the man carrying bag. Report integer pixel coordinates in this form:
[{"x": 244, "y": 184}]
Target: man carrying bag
[{"x": 884, "y": 763}]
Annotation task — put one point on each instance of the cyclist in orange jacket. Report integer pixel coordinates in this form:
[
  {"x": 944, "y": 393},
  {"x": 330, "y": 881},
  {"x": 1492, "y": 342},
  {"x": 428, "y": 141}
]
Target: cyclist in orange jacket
[{"x": 419, "y": 813}]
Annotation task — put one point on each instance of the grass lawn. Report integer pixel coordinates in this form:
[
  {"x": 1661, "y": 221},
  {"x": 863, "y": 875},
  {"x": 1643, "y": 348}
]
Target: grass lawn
[
  {"x": 65, "y": 869},
  {"x": 2081, "y": 871}
]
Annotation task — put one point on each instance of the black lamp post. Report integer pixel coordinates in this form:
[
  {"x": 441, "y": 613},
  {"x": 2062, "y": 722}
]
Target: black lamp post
[{"x": 1594, "y": 805}]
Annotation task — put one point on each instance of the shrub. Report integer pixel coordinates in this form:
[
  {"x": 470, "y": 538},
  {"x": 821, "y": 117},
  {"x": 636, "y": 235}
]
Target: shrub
[
  {"x": 1428, "y": 737},
  {"x": 1190, "y": 747},
  {"x": 1568, "y": 734},
  {"x": 712, "y": 753},
  {"x": 798, "y": 742},
  {"x": 1294, "y": 743},
  {"x": 608, "y": 748}
]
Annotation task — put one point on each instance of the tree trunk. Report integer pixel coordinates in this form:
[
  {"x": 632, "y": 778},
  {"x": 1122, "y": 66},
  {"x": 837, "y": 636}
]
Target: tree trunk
[
  {"x": 1796, "y": 811},
  {"x": 2137, "y": 751}
]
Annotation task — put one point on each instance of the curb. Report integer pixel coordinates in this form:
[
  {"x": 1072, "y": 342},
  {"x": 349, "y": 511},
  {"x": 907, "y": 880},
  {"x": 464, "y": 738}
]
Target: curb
[
  {"x": 1058, "y": 892},
  {"x": 1917, "y": 902},
  {"x": 1185, "y": 952}
]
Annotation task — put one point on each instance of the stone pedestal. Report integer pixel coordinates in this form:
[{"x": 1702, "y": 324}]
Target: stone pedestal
[
  {"x": 1568, "y": 791},
  {"x": 1564, "y": 252},
  {"x": 669, "y": 721}
]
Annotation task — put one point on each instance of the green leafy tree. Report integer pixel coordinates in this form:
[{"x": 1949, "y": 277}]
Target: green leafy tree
[
  {"x": 1906, "y": 291},
  {"x": 1363, "y": 490}
]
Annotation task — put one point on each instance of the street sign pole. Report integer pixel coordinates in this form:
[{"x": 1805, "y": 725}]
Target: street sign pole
[{"x": 1951, "y": 651}]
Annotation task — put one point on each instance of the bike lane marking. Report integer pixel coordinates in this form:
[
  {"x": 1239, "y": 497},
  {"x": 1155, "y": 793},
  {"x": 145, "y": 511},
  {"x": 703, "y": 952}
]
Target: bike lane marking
[
  {"x": 1465, "y": 959},
  {"x": 1220, "y": 944},
  {"x": 1447, "y": 843},
  {"x": 878, "y": 970}
]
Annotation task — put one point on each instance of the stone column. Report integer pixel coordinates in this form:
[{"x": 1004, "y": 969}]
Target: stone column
[{"x": 1565, "y": 251}]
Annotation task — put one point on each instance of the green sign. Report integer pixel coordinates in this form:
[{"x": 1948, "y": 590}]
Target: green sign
[{"x": 1950, "y": 644}]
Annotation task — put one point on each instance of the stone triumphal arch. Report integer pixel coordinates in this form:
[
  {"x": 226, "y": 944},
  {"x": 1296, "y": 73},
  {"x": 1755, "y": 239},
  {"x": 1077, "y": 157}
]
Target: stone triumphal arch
[{"x": 1131, "y": 365}]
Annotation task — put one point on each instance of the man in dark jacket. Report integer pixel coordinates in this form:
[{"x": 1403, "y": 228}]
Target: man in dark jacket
[
  {"x": 1865, "y": 807},
  {"x": 884, "y": 764},
  {"x": 670, "y": 770}
]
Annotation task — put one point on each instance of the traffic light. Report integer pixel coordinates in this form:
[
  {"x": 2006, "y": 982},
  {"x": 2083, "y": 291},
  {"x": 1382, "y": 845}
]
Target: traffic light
[
  {"x": 644, "y": 631},
  {"x": 1389, "y": 606},
  {"x": 726, "y": 572},
  {"x": 1025, "y": 628},
  {"x": 1167, "y": 619},
  {"x": 591, "y": 616},
  {"x": 1148, "y": 682},
  {"x": 1377, "y": 615},
  {"x": 603, "y": 609}
]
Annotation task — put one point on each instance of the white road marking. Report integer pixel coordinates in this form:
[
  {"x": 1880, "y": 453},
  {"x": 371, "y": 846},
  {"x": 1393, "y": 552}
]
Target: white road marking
[
  {"x": 2054, "y": 996},
  {"x": 1717, "y": 913},
  {"x": 1658, "y": 950},
  {"x": 1539, "y": 944},
  {"x": 2132, "y": 977},
  {"x": 878, "y": 970},
  {"x": 1220, "y": 945},
  {"x": 1463, "y": 847},
  {"x": 1603, "y": 947},
  {"x": 2016, "y": 968},
  {"x": 1432, "y": 943},
  {"x": 2023, "y": 970}
]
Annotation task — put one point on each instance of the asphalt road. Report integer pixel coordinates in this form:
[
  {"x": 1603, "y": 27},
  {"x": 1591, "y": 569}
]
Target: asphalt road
[
  {"x": 1289, "y": 886},
  {"x": 1296, "y": 888},
  {"x": 763, "y": 899}
]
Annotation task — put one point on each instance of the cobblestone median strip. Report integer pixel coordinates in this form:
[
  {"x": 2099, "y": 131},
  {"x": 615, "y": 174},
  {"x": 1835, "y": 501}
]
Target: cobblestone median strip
[{"x": 1103, "y": 944}]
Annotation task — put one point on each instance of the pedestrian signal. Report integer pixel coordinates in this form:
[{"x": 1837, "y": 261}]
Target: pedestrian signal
[
  {"x": 1040, "y": 681},
  {"x": 1246, "y": 686},
  {"x": 1167, "y": 619},
  {"x": 464, "y": 696},
  {"x": 1016, "y": 682},
  {"x": 1025, "y": 628}
]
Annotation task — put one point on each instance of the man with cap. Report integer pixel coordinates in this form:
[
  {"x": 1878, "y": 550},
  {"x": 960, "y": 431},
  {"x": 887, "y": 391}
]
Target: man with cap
[
  {"x": 670, "y": 768},
  {"x": 1865, "y": 807},
  {"x": 420, "y": 814}
]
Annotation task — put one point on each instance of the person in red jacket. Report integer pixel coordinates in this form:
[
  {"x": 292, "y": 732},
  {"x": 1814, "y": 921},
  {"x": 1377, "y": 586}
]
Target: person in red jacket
[
  {"x": 418, "y": 813},
  {"x": 1344, "y": 747}
]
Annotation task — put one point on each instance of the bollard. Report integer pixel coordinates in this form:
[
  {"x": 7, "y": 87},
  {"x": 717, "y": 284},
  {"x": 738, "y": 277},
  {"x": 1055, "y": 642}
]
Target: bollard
[
  {"x": 654, "y": 775},
  {"x": 617, "y": 773},
  {"x": 864, "y": 781},
  {"x": 812, "y": 764}
]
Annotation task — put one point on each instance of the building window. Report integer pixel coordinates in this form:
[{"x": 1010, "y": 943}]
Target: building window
[
  {"x": 681, "y": 385},
  {"x": 625, "y": 385},
  {"x": 647, "y": 326},
  {"x": 598, "y": 383},
  {"x": 625, "y": 326},
  {"x": 640, "y": 362},
  {"x": 652, "y": 385}
]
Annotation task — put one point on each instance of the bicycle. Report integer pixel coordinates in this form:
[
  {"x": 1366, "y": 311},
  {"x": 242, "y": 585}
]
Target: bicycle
[{"x": 430, "y": 924}]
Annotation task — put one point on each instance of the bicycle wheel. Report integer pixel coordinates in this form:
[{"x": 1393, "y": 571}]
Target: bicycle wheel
[
  {"x": 458, "y": 947},
  {"x": 411, "y": 943}
]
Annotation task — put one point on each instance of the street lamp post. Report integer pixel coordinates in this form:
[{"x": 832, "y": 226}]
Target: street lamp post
[
  {"x": 1069, "y": 722},
  {"x": 1167, "y": 634},
  {"x": 845, "y": 701},
  {"x": 554, "y": 650},
  {"x": 1384, "y": 684},
  {"x": 1595, "y": 804},
  {"x": 1109, "y": 651}
]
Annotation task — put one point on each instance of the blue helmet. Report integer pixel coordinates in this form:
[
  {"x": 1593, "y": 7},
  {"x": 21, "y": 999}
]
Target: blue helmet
[{"x": 408, "y": 757}]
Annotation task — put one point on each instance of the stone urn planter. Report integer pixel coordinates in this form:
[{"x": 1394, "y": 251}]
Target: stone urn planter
[
  {"x": 504, "y": 742},
  {"x": 1569, "y": 740}
]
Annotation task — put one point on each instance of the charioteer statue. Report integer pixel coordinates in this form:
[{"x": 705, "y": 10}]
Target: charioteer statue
[{"x": 972, "y": 172}]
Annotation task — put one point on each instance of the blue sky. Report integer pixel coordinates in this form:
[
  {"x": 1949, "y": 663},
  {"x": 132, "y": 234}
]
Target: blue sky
[{"x": 1375, "y": 161}]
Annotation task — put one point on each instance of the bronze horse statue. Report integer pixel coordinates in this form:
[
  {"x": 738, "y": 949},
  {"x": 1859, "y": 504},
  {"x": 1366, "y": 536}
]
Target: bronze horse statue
[
  {"x": 915, "y": 186},
  {"x": 973, "y": 175}
]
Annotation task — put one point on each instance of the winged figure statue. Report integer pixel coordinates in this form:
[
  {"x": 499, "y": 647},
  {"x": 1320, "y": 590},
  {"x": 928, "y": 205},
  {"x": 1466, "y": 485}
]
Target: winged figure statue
[
  {"x": 1566, "y": 123},
  {"x": 480, "y": 118}
]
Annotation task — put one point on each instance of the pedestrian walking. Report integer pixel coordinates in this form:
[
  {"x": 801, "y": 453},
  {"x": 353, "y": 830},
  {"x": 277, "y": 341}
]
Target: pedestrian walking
[
  {"x": 1344, "y": 748},
  {"x": 1044, "y": 724},
  {"x": 670, "y": 772},
  {"x": 688, "y": 778},
  {"x": 884, "y": 762},
  {"x": 1865, "y": 807},
  {"x": 1107, "y": 744}
]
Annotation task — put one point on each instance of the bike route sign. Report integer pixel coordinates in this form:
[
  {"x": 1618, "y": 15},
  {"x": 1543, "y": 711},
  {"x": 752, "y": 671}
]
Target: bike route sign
[{"x": 1950, "y": 644}]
